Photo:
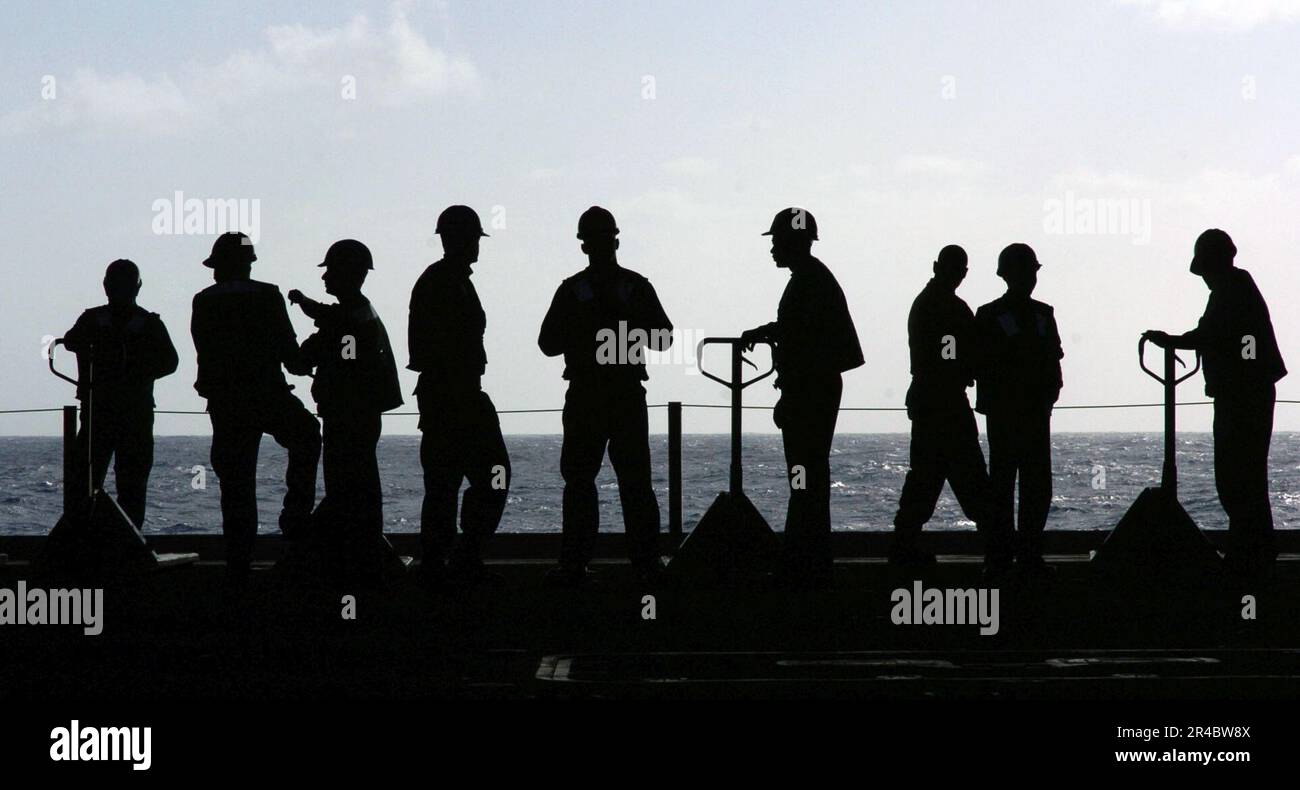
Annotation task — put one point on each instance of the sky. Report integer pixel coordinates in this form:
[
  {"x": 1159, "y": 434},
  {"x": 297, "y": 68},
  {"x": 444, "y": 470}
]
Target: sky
[{"x": 1106, "y": 135}]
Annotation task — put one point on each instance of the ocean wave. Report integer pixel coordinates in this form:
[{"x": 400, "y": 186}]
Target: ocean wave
[{"x": 868, "y": 470}]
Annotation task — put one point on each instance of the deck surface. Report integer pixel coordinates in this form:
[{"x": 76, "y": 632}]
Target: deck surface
[{"x": 175, "y": 634}]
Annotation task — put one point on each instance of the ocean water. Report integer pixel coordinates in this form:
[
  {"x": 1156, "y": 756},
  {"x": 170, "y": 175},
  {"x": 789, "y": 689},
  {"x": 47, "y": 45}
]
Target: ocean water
[{"x": 867, "y": 470}]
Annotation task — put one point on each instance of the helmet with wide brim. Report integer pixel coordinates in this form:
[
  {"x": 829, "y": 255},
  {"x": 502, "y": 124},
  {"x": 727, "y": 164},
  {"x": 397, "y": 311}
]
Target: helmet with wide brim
[
  {"x": 232, "y": 247},
  {"x": 348, "y": 252},
  {"x": 459, "y": 219}
]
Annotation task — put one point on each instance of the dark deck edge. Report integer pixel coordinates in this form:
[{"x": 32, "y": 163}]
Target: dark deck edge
[{"x": 515, "y": 546}]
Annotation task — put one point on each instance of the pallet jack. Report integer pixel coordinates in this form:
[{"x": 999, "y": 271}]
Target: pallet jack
[
  {"x": 732, "y": 539},
  {"x": 94, "y": 540},
  {"x": 1157, "y": 541}
]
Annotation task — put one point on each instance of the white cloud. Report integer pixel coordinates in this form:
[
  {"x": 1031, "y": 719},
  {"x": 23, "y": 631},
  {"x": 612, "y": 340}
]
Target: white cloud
[
  {"x": 939, "y": 166},
  {"x": 392, "y": 65},
  {"x": 545, "y": 174},
  {"x": 691, "y": 166},
  {"x": 1240, "y": 202},
  {"x": 1084, "y": 178},
  {"x": 1226, "y": 14},
  {"x": 123, "y": 102}
]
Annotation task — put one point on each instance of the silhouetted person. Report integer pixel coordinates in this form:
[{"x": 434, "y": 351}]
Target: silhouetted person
[
  {"x": 1242, "y": 364},
  {"x": 945, "y": 353},
  {"x": 603, "y": 320},
  {"x": 815, "y": 342},
  {"x": 243, "y": 335},
  {"x": 461, "y": 431},
  {"x": 1018, "y": 382},
  {"x": 355, "y": 383},
  {"x": 129, "y": 349}
]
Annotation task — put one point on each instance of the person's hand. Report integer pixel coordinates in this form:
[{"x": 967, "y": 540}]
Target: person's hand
[
  {"x": 296, "y": 297},
  {"x": 1161, "y": 339},
  {"x": 750, "y": 337}
]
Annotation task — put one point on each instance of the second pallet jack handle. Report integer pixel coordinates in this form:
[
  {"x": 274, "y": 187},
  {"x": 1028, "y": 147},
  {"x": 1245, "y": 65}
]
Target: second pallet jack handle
[
  {"x": 1170, "y": 380},
  {"x": 736, "y": 384}
]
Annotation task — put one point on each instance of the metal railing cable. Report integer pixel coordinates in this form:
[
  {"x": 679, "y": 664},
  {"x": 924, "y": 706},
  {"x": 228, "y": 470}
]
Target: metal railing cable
[{"x": 1074, "y": 406}]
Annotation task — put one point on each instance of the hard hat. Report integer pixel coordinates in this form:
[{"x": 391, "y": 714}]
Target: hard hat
[
  {"x": 348, "y": 252},
  {"x": 1017, "y": 257},
  {"x": 1214, "y": 249},
  {"x": 596, "y": 221},
  {"x": 793, "y": 222},
  {"x": 231, "y": 247},
  {"x": 459, "y": 219}
]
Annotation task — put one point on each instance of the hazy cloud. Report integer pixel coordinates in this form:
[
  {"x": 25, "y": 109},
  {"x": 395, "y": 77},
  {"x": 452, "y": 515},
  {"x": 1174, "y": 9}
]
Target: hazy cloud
[
  {"x": 1225, "y": 14},
  {"x": 691, "y": 166},
  {"x": 392, "y": 64},
  {"x": 939, "y": 166}
]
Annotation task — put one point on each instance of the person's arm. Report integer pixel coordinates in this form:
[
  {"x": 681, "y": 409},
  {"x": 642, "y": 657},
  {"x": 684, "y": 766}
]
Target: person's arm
[
  {"x": 425, "y": 333},
  {"x": 1058, "y": 353},
  {"x": 845, "y": 335},
  {"x": 283, "y": 338},
  {"x": 415, "y": 328},
  {"x": 74, "y": 338},
  {"x": 654, "y": 320},
  {"x": 989, "y": 340},
  {"x": 162, "y": 351},
  {"x": 972, "y": 351},
  {"x": 1192, "y": 340},
  {"x": 313, "y": 349},
  {"x": 1210, "y": 330},
  {"x": 554, "y": 336},
  {"x": 766, "y": 333},
  {"x": 311, "y": 308},
  {"x": 199, "y": 334}
]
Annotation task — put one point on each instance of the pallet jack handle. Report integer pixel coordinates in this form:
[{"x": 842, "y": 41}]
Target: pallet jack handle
[
  {"x": 1170, "y": 380},
  {"x": 69, "y": 427},
  {"x": 54, "y": 370},
  {"x": 736, "y": 384}
]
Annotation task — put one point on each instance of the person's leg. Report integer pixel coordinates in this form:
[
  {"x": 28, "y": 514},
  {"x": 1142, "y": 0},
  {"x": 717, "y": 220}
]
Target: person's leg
[
  {"x": 352, "y": 485},
  {"x": 629, "y": 454},
  {"x": 342, "y": 459},
  {"x": 970, "y": 483},
  {"x": 234, "y": 461},
  {"x": 96, "y": 440},
  {"x": 1242, "y": 434},
  {"x": 334, "y": 471},
  {"x": 369, "y": 486},
  {"x": 1003, "y": 461},
  {"x": 827, "y": 415},
  {"x": 1261, "y": 438},
  {"x": 809, "y": 417},
  {"x": 1035, "y": 484},
  {"x": 922, "y": 485},
  {"x": 581, "y": 454},
  {"x": 1227, "y": 466},
  {"x": 488, "y": 471},
  {"x": 133, "y": 462},
  {"x": 297, "y": 431},
  {"x": 441, "y": 450},
  {"x": 794, "y": 444}
]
